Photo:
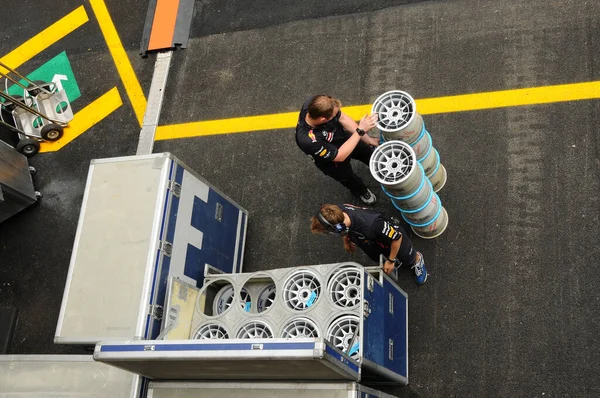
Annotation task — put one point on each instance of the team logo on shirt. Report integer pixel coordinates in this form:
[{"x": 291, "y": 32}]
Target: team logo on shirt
[
  {"x": 312, "y": 137},
  {"x": 328, "y": 135}
]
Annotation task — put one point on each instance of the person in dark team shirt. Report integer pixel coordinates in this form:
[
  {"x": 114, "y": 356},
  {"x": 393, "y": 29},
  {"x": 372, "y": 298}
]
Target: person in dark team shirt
[
  {"x": 332, "y": 138},
  {"x": 373, "y": 233}
]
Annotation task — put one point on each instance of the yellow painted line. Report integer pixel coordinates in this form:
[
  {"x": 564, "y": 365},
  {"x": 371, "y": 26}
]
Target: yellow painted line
[
  {"x": 508, "y": 98},
  {"x": 130, "y": 81},
  {"x": 427, "y": 106},
  {"x": 44, "y": 39},
  {"x": 86, "y": 118},
  {"x": 497, "y": 99},
  {"x": 226, "y": 126}
]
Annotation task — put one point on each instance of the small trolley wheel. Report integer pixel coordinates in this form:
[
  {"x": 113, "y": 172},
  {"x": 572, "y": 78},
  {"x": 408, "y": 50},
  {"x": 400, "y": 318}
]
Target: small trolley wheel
[
  {"x": 28, "y": 147},
  {"x": 32, "y": 170},
  {"x": 38, "y": 195},
  {"x": 51, "y": 132}
]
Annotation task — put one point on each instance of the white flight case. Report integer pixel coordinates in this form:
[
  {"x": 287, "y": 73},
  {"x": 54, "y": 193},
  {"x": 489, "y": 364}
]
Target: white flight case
[
  {"x": 261, "y": 390},
  {"x": 145, "y": 220},
  {"x": 63, "y": 376}
]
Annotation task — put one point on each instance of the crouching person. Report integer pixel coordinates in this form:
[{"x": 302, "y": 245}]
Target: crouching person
[{"x": 374, "y": 233}]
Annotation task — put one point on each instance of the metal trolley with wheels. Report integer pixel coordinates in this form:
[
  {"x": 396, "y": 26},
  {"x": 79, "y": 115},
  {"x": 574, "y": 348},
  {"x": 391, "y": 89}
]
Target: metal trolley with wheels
[{"x": 39, "y": 115}]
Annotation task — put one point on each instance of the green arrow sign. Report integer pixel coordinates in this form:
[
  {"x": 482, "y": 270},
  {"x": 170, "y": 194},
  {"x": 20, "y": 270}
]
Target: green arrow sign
[{"x": 57, "y": 70}]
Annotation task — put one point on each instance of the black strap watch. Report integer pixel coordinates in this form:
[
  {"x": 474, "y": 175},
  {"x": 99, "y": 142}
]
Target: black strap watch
[{"x": 360, "y": 131}]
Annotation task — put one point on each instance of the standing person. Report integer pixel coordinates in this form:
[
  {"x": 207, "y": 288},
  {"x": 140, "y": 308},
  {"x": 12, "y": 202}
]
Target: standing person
[
  {"x": 373, "y": 233},
  {"x": 332, "y": 138}
]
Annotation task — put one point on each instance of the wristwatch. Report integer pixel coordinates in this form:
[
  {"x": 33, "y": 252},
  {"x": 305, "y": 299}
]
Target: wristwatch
[{"x": 360, "y": 131}]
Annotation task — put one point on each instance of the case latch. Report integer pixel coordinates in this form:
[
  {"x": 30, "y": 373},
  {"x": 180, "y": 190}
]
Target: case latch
[
  {"x": 219, "y": 212},
  {"x": 175, "y": 189},
  {"x": 156, "y": 312},
  {"x": 166, "y": 248},
  {"x": 367, "y": 309}
]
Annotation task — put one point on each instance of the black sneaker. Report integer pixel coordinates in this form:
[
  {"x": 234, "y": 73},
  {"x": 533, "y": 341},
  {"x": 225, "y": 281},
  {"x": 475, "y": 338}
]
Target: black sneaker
[{"x": 368, "y": 198}]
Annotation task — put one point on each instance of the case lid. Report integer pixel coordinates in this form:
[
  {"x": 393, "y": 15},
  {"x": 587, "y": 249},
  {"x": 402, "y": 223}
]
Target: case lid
[
  {"x": 256, "y": 359},
  {"x": 112, "y": 268},
  {"x": 143, "y": 219}
]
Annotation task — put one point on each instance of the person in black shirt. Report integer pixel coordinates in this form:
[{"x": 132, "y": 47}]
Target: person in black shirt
[
  {"x": 373, "y": 233},
  {"x": 332, "y": 138}
]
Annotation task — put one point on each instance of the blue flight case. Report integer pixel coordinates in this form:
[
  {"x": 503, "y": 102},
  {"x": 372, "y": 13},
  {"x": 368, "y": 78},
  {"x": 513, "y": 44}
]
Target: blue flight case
[{"x": 374, "y": 349}]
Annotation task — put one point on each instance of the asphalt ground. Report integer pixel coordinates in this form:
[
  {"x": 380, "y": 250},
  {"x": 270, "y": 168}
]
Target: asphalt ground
[{"x": 511, "y": 304}]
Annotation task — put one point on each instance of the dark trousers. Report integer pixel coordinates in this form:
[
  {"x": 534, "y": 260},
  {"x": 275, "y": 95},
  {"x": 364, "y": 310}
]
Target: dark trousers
[
  {"x": 342, "y": 171},
  {"x": 406, "y": 255}
]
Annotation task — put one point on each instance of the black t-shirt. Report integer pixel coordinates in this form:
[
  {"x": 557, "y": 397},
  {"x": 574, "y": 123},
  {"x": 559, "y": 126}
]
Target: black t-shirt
[
  {"x": 369, "y": 229},
  {"x": 321, "y": 142}
]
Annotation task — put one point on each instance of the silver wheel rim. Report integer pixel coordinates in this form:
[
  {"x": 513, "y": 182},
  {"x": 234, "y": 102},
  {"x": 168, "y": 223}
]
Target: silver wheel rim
[
  {"x": 301, "y": 290},
  {"x": 341, "y": 334},
  {"x": 245, "y": 300},
  {"x": 395, "y": 110},
  {"x": 224, "y": 299},
  {"x": 211, "y": 331},
  {"x": 300, "y": 328},
  {"x": 392, "y": 162},
  {"x": 266, "y": 298},
  {"x": 255, "y": 330},
  {"x": 344, "y": 287}
]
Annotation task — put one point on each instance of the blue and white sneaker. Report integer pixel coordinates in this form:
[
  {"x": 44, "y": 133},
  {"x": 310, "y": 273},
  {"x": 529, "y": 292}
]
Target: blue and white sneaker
[{"x": 420, "y": 270}]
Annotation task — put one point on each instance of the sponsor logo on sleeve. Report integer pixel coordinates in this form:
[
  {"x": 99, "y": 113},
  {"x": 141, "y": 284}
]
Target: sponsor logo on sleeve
[
  {"x": 352, "y": 207},
  {"x": 389, "y": 231},
  {"x": 312, "y": 137}
]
